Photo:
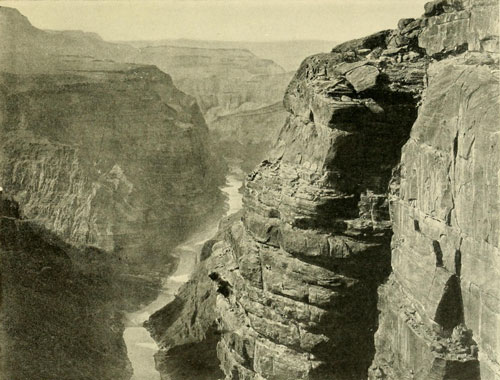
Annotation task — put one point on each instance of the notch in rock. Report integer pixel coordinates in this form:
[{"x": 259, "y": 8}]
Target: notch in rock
[
  {"x": 458, "y": 262},
  {"x": 223, "y": 287},
  {"x": 450, "y": 311},
  {"x": 416, "y": 225},
  {"x": 311, "y": 116},
  {"x": 438, "y": 252}
]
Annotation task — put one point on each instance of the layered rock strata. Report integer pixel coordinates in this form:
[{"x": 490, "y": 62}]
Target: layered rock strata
[
  {"x": 103, "y": 153},
  {"x": 294, "y": 283},
  {"x": 297, "y": 277}
]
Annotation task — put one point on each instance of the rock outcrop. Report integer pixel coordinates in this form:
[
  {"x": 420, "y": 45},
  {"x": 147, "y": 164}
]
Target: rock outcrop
[
  {"x": 296, "y": 283},
  {"x": 103, "y": 153}
]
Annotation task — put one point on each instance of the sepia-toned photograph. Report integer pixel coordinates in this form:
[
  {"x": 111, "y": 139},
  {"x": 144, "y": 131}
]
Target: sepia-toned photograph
[{"x": 249, "y": 190}]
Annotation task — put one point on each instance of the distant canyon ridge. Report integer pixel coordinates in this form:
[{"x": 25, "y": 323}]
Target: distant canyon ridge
[{"x": 238, "y": 85}]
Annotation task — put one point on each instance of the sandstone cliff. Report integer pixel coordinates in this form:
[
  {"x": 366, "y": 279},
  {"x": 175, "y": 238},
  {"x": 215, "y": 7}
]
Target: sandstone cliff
[
  {"x": 293, "y": 291},
  {"x": 440, "y": 310}
]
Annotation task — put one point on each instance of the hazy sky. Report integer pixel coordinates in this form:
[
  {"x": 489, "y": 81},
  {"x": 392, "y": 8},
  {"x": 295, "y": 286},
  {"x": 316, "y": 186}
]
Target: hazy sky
[{"x": 254, "y": 20}]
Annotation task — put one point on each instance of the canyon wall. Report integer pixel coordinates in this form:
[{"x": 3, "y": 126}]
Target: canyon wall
[
  {"x": 103, "y": 153},
  {"x": 226, "y": 82},
  {"x": 363, "y": 208},
  {"x": 104, "y": 167},
  {"x": 440, "y": 309},
  {"x": 237, "y": 91}
]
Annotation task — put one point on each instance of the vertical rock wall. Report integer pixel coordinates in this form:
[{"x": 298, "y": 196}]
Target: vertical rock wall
[
  {"x": 119, "y": 160},
  {"x": 296, "y": 279},
  {"x": 441, "y": 307}
]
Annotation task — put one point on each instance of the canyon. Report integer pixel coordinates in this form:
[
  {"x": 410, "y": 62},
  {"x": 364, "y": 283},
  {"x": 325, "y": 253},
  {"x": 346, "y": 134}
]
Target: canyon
[
  {"x": 237, "y": 92},
  {"x": 364, "y": 245},
  {"x": 368, "y": 242},
  {"x": 105, "y": 168}
]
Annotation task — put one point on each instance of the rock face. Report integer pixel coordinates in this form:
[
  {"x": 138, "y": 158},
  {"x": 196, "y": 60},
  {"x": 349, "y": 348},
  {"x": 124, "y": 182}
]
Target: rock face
[
  {"x": 245, "y": 137},
  {"x": 105, "y": 154},
  {"x": 296, "y": 283},
  {"x": 58, "y": 320},
  {"x": 440, "y": 308},
  {"x": 297, "y": 277}
]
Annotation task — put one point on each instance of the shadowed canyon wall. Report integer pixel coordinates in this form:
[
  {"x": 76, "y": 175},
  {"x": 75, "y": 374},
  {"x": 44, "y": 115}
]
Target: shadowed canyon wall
[
  {"x": 105, "y": 167},
  {"x": 59, "y": 306},
  {"x": 107, "y": 154},
  {"x": 440, "y": 309},
  {"x": 380, "y": 196}
]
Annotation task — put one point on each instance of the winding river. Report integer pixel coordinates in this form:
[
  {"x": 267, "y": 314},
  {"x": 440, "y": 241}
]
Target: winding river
[{"x": 140, "y": 346}]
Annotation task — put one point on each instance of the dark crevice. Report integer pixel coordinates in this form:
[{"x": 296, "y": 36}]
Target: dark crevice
[
  {"x": 223, "y": 287},
  {"x": 438, "y": 252},
  {"x": 416, "y": 225},
  {"x": 450, "y": 311},
  {"x": 458, "y": 262}
]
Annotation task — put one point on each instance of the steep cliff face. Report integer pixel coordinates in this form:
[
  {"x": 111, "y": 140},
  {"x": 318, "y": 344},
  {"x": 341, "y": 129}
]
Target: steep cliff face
[
  {"x": 58, "y": 319},
  {"x": 441, "y": 307},
  {"x": 294, "y": 283},
  {"x": 297, "y": 277},
  {"x": 245, "y": 137},
  {"x": 106, "y": 154}
]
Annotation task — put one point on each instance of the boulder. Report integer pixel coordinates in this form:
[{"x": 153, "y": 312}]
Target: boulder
[{"x": 363, "y": 78}]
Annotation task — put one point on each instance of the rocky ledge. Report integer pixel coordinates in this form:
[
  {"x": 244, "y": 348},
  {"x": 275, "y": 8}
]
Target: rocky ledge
[{"x": 294, "y": 288}]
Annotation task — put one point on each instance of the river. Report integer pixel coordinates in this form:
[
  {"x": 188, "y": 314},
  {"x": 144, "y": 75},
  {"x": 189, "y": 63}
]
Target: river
[{"x": 140, "y": 346}]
